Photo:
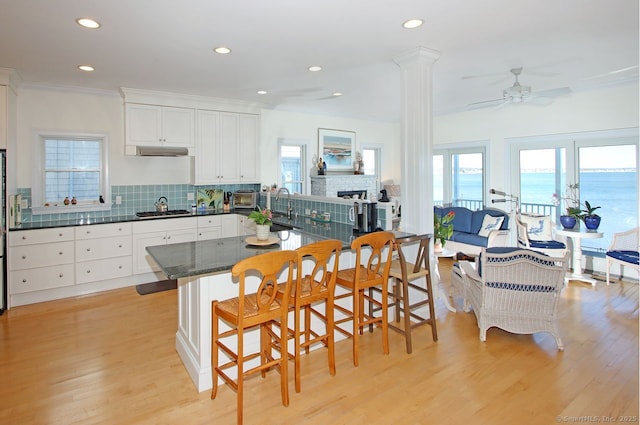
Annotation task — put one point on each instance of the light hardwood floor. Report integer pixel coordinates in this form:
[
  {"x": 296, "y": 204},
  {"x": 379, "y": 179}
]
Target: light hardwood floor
[{"x": 110, "y": 359}]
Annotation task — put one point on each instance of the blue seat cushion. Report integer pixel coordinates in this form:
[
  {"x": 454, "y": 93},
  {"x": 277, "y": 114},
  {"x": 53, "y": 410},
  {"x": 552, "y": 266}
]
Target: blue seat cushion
[
  {"x": 630, "y": 257},
  {"x": 470, "y": 238},
  {"x": 547, "y": 244}
]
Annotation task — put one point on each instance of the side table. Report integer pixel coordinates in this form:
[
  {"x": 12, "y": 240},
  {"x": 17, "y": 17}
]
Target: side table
[{"x": 576, "y": 236}]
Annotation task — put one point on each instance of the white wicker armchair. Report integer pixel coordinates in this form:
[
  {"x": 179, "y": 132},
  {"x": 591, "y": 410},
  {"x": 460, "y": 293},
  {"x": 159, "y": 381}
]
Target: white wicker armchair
[
  {"x": 517, "y": 291},
  {"x": 624, "y": 250}
]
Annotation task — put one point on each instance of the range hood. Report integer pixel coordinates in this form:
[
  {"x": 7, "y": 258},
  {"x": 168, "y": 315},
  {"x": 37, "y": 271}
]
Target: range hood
[{"x": 161, "y": 151}]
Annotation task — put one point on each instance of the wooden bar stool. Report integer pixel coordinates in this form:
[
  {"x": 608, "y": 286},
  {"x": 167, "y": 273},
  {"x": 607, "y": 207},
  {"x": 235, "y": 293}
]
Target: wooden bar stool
[
  {"x": 262, "y": 309},
  {"x": 374, "y": 272},
  {"x": 404, "y": 273},
  {"x": 311, "y": 288}
]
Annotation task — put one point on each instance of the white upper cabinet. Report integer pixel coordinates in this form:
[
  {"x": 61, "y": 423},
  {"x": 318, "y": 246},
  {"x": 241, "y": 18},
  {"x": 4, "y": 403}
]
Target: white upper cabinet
[
  {"x": 152, "y": 125},
  {"x": 226, "y": 148}
]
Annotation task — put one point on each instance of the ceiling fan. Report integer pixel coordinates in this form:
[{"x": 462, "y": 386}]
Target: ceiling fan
[{"x": 518, "y": 93}]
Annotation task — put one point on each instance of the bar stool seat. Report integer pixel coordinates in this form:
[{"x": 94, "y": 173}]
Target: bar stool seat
[
  {"x": 314, "y": 287},
  {"x": 374, "y": 272},
  {"x": 262, "y": 309},
  {"x": 404, "y": 274}
]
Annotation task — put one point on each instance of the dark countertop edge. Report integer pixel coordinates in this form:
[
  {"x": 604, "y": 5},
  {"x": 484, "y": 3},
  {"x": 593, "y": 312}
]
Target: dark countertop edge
[{"x": 114, "y": 219}]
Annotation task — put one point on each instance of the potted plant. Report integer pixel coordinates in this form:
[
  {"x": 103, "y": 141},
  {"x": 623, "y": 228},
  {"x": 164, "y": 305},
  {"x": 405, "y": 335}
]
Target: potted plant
[
  {"x": 591, "y": 220},
  {"x": 572, "y": 206},
  {"x": 262, "y": 217},
  {"x": 442, "y": 229}
]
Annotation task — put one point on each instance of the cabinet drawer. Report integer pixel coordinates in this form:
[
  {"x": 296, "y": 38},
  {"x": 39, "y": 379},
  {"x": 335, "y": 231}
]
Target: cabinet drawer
[
  {"x": 165, "y": 224},
  {"x": 209, "y": 220},
  {"x": 40, "y": 278},
  {"x": 102, "y": 230},
  {"x": 26, "y": 257},
  {"x": 95, "y": 249},
  {"x": 29, "y": 237},
  {"x": 110, "y": 268}
]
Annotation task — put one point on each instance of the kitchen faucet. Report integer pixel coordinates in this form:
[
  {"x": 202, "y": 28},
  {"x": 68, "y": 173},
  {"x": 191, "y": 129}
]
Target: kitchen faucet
[{"x": 289, "y": 209}]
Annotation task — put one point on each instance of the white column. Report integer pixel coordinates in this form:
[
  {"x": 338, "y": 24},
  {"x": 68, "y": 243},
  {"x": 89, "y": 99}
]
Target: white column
[{"x": 417, "y": 139}]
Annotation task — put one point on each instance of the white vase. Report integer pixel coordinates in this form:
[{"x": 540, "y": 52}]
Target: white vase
[{"x": 262, "y": 231}]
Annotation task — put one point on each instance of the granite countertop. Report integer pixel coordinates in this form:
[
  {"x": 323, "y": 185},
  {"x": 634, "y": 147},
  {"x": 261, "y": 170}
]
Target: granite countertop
[
  {"x": 219, "y": 255},
  {"x": 85, "y": 221}
]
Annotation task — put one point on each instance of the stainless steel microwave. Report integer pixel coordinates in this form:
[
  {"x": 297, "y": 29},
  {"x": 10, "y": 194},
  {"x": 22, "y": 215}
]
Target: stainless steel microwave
[{"x": 245, "y": 199}]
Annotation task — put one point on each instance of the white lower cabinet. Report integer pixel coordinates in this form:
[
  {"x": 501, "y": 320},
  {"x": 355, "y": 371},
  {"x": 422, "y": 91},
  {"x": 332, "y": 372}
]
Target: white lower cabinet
[
  {"x": 159, "y": 232},
  {"x": 103, "y": 252},
  {"x": 36, "y": 279},
  {"x": 209, "y": 227}
]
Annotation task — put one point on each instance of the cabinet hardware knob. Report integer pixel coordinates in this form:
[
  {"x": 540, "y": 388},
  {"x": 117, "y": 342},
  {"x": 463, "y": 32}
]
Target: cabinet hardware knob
[
  {"x": 60, "y": 253},
  {"x": 24, "y": 257},
  {"x": 120, "y": 246},
  {"x": 88, "y": 249},
  {"x": 88, "y": 232},
  {"x": 24, "y": 280},
  {"x": 88, "y": 271},
  {"x": 24, "y": 238},
  {"x": 120, "y": 267},
  {"x": 61, "y": 275},
  {"x": 60, "y": 234}
]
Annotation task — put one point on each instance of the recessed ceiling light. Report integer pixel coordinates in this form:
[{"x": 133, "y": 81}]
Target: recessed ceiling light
[
  {"x": 88, "y": 23},
  {"x": 87, "y": 68},
  {"x": 222, "y": 50},
  {"x": 412, "y": 23},
  {"x": 337, "y": 93},
  {"x": 262, "y": 92},
  {"x": 315, "y": 68}
]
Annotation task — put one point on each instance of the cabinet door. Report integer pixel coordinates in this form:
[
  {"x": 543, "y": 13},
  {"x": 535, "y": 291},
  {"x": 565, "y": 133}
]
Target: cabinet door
[
  {"x": 248, "y": 130},
  {"x": 36, "y": 279},
  {"x": 143, "y": 124},
  {"x": 228, "y": 152},
  {"x": 209, "y": 233},
  {"x": 229, "y": 226},
  {"x": 178, "y": 126},
  {"x": 207, "y": 170},
  {"x": 142, "y": 261},
  {"x": 95, "y": 249}
]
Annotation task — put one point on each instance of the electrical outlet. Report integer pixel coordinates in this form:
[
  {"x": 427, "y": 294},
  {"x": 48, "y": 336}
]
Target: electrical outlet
[
  {"x": 307, "y": 211},
  {"x": 24, "y": 203},
  {"x": 118, "y": 199},
  {"x": 190, "y": 196}
]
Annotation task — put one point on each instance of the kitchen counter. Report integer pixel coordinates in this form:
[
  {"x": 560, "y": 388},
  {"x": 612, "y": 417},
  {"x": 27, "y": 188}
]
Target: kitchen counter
[{"x": 85, "y": 221}]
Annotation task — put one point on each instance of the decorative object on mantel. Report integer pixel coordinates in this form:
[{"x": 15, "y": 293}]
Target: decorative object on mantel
[
  {"x": 337, "y": 148},
  {"x": 262, "y": 217},
  {"x": 442, "y": 230}
]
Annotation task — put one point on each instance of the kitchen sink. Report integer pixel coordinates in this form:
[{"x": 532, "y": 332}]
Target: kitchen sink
[{"x": 277, "y": 227}]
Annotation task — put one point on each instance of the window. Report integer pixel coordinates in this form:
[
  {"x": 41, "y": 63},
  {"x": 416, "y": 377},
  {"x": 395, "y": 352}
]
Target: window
[
  {"x": 292, "y": 166},
  {"x": 605, "y": 165},
  {"x": 70, "y": 166},
  {"x": 458, "y": 177}
]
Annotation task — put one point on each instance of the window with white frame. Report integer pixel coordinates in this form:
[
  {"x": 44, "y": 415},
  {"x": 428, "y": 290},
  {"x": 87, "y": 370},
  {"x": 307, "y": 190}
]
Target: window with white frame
[
  {"x": 70, "y": 166},
  {"x": 292, "y": 166},
  {"x": 459, "y": 176}
]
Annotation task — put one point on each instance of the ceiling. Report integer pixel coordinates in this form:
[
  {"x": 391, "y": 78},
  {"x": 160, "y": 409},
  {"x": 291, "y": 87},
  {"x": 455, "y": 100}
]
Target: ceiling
[{"x": 168, "y": 46}]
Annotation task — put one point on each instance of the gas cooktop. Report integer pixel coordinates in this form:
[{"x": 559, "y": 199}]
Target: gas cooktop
[{"x": 155, "y": 214}]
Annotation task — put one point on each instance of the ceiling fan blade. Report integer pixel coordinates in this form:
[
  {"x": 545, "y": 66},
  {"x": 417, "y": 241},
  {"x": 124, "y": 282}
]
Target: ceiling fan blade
[
  {"x": 487, "y": 103},
  {"x": 538, "y": 100},
  {"x": 560, "y": 91}
]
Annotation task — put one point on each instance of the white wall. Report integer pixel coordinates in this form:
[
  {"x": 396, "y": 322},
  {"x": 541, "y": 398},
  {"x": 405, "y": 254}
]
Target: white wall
[
  {"x": 78, "y": 110},
  {"x": 304, "y": 127},
  {"x": 594, "y": 110},
  {"x": 70, "y": 110}
]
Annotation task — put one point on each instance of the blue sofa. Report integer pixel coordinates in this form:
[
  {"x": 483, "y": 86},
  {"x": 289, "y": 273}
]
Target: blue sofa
[{"x": 467, "y": 224}]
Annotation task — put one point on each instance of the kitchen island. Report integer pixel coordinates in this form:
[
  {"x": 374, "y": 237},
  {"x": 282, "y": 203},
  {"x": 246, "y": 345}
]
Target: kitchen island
[{"x": 203, "y": 271}]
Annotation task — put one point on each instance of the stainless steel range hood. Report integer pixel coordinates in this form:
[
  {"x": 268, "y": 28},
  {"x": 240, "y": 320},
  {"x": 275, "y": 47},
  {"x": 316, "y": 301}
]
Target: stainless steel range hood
[{"x": 161, "y": 151}]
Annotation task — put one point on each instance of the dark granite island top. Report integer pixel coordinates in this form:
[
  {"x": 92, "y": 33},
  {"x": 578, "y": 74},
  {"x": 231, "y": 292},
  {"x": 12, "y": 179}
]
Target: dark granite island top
[{"x": 219, "y": 255}]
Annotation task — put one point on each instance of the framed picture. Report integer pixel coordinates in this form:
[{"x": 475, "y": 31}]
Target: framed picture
[{"x": 337, "y": 148}]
